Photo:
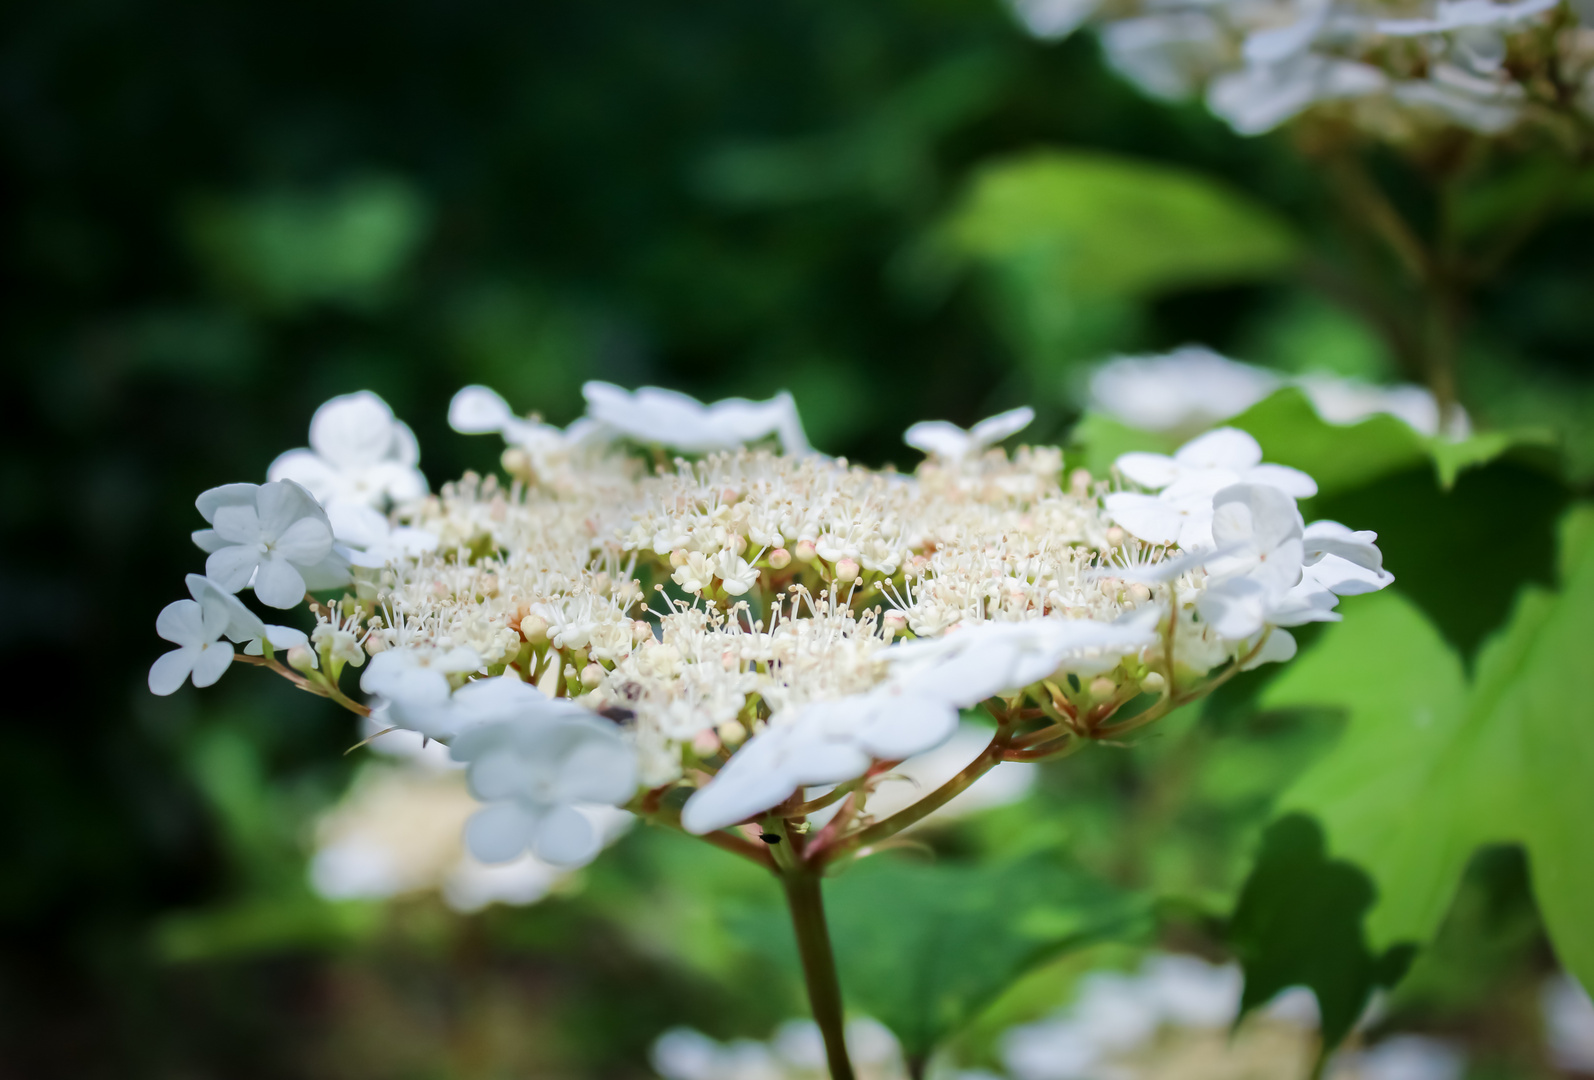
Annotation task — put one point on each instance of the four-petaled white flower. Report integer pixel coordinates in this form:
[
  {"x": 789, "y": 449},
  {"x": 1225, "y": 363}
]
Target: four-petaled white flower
[
  {"x": 1181, "y": 512},
  {"x": 946, "y": 440},
  {"x": 534, "y": 770},
  {"x": 359, "y": 453},
  {"x": 1258, "y": 531},
  {"x": 198, "y": 626},
  {"x": 415, "y": 692},
  {"x": 272, "y": 536},
  {"x": 680, "y": 422}
]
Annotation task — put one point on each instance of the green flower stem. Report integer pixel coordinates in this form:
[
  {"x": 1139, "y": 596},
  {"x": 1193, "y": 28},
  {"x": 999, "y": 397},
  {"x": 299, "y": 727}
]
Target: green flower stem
[{"x": 819, "y": 965}]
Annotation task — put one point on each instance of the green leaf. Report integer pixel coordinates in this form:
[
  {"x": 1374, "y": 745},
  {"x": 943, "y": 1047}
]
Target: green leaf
[
  {"x": 1299, "y": 923},
  {"x": 923, "y": 946},
  {"x": 1429, "y": 769},
  {"x": 1113, "y": 227}
]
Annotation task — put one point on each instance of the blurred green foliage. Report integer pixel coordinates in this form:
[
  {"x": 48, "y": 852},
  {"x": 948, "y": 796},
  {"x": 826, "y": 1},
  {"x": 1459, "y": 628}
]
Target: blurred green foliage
[{"x": 217, "y": 216}]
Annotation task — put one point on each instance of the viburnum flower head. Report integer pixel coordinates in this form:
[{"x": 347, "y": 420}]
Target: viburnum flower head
[
  {"x": 360, "y": 453},
  {"x": 272, "y": 537}
]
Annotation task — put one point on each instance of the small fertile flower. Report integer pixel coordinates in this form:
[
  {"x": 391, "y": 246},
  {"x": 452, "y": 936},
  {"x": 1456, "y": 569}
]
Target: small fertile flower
[
  {"x": 681, "y": 422},
  {"x": 198, "y": 627},
  {"x": 950, "y": 442},
  {"x": 274, "y": 537},
  {"x": 359, "y": 454},
  {"x": 534, "y": 770}
]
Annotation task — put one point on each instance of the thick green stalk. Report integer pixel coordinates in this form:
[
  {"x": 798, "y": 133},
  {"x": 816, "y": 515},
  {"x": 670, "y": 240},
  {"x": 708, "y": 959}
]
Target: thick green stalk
[{"x": 819, "y": 966}]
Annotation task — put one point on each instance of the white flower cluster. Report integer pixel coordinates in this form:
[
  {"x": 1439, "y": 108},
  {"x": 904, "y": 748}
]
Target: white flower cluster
[
  {"x": 1392, "y": 67},
  {"x": 1192, "y": 389},
  {"x": 707, "y": 641}
]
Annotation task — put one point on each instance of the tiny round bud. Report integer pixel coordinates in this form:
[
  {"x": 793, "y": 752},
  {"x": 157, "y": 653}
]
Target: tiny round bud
[
  {"x": 302, "y": 658},
  {"x": 779, "y": 559},
  {"x": 592, "y": 676},
  {"x": 732, "y": 733},
  {"x": 570, "y": 671},
  {"x": 1115, "y": 536},
  {"x": 804, "y": 550},
  {"x": 534, "y": 628},
  {"x": 375, "y": 643},
  {"x": 1079, "y": 483},
  {"x": 737, "y": 543},
  {"x": 1139, "y": 593},
  {"x": 1153, "y": 682},
  {"x": 678, "y": 558},
  {"x": 895, "y": 622},
  {"x": 641, "y": 630},
  {"x": 1102, "y": 687},
  {"x": 847, "y": 570},
  {"x": 516, "y": 462},
  {"x": 705, "y": 743}
]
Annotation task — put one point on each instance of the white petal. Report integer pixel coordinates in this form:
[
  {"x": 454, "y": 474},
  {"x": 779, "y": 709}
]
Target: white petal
[
  {"x": 308, "y": 469},
  {"x": 239, "y": 525},
  {"x": 1345, "y": 578},
  {"x": 284, "y": 637},
  {"x": 169, "y": 670},
  {"x": 280, "y": 504},
  {"x": 1278, "y": 648},
  {"x": 565, "y": 837},
  {"x": 1292, "y": 482},
  {"x": 600, "y": 770},
  {"x": 476, "y": 410},
  {"x": 1235, "y": 609},
  {"x": 994, "y": 429},
  {"x": 208, "y": 540},
  {"x": 216, "y": 614},
  {"x": 277, "y": 583},
  {"x": 211, "y": 662},
  {"x": 225, "y": 495},
  {"x": 305, "y": 542},
  {"x": 1148, "y": 470},
  {"x": 498, "y": 775},
  {"x": 1145, "y": 516},
  {"x": 1257, "y": 514},
  {"x": 242, "y": 624},
  {"x": 231, "y": 567},
  {"x": 182, "y": 622},
  {"x": 910, "y": 725},
  {"x": 1332, "y": 538},
  {"x": 352, "y": 430},
  {"x": 826, "y": 761},
  {"x": 498, "y": 833},
  {"x": 1223, "y": 448},
  {"x": 940, "y": 438},
  {"x": 331, "y": 572}
]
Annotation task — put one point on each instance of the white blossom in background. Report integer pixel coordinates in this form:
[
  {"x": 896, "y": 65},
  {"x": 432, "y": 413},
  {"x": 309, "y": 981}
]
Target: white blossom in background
[
  {"x": 951, "y": 442},
  {"x": 359, "y": 454},
  {"x": 680, "y": 422},
  {"x": 1192, "y": 389},
  {"x": 273, "y": 538},
  {"x": 1395, "y": 73},
  {"x": 1568, "y": 1023},
  {"x": 477, "y": 410},
  {"x": 795, "y": 1052}
]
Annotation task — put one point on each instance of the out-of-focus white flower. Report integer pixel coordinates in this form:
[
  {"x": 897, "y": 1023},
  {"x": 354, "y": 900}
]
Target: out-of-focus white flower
[
  {"x": 1169, "y": 55},
  {"x": 1260, "y": 97},
  {"x": 1189, "y": 992},
  {"x": 1568, "y": 1023},
  {"x": 367, "y": 538},
  {"x": 359, "y": 453},
  {"x": 1477, "y": 101},
  {"x": 1053, "y": 19},
  {"x": 797, "y": 1050},
  {"x": 1407, "y": 1057},
  {"x": 669, "y": 418},
  {"x": 197, "y": 626},
  {"x": 533, "y": 771},
  {"x": 1346, "y": 401},
  {"x": 414, "y": 691},
  {"x": 947, "y": 440},
  {"x": 1189, "y": 389},
  {"x": 1474, "y": 30},
  {"x": 274, "y": 537},
  {"x": 477, "y": 410}
]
